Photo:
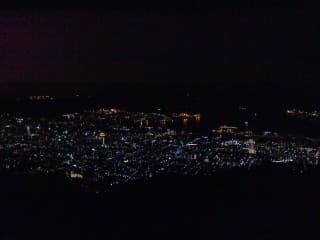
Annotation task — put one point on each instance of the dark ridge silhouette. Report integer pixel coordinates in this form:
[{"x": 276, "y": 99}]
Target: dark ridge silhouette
[{"x": 263, "y": 203}]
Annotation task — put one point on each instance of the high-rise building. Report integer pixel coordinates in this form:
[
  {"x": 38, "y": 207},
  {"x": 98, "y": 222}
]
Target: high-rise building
[
  {"x": 102, "y": 136},
  {"x": 28, "y": 131},
  {"x": 251, "y": 147}
]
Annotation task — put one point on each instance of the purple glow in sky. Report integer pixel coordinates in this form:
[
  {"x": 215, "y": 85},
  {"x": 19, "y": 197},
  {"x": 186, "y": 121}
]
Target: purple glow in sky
[
  {"x": 16, "y": 44},
  {"x": 85, "y": 46}
]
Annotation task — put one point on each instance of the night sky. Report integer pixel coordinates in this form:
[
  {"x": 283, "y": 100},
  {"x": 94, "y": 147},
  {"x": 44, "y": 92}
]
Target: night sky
[{"x": 221, "y": 49}]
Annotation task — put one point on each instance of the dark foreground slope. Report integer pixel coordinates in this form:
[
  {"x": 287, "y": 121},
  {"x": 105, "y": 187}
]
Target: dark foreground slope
[{"x": 261, "y": 204}]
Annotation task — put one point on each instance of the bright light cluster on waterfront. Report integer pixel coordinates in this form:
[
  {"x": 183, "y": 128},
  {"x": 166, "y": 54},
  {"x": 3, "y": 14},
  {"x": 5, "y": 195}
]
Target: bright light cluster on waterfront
[
  {"x": 40, "y": 98},
  {"x": 303, "y": 114}
]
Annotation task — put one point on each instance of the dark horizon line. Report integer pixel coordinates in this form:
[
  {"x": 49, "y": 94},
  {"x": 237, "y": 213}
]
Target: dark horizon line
[{"x": 151, "y": 5}]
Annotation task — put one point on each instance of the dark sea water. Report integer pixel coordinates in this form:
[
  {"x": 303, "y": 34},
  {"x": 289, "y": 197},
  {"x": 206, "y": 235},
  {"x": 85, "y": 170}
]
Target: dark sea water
[{"x": 261, "y": 116}]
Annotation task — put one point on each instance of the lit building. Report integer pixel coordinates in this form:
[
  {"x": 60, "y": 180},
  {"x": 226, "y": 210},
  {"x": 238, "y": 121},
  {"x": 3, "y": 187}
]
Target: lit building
[
  {"x": 76, "y": 175},
  {"x": 248, "y": 133},
  {"x": 251, "y": 146},
  {"x": 40, "y": 98},
  {"x": 227, "y": 130},
  {"x": 29, "y": 131},
  {"x": 102, "y": 136},
  {"x": 197, "y": 116},
  {"x": 163, "y": 122},
  {"x": 185, "y": 121}
]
